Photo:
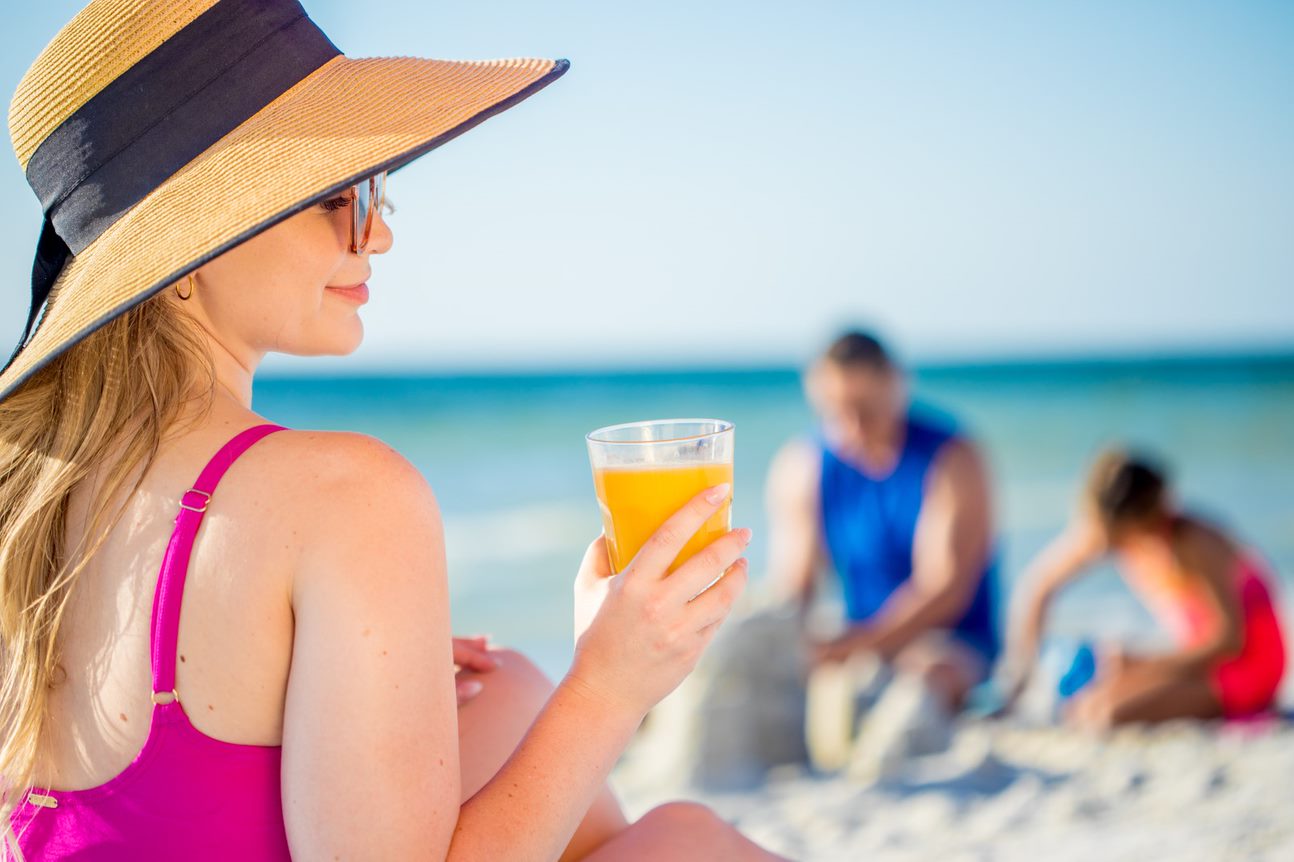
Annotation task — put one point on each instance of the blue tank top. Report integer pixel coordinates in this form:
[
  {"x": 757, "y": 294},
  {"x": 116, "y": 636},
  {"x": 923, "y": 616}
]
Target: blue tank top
[{"x": 869, "y": 525}]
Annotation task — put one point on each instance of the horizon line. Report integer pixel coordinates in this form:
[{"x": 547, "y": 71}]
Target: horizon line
[{"x": 1273, "y": 357}]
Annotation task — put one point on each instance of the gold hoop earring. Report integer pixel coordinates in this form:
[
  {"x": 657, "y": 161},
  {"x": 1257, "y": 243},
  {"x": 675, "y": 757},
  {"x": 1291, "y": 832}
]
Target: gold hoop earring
[{"x": 192, "y": 285}]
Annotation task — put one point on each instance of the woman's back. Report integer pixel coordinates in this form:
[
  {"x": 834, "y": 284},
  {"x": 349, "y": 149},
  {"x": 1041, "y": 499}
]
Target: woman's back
[
  {"x": 178, "y": 779},
  {"x": 234, "y": 642}
]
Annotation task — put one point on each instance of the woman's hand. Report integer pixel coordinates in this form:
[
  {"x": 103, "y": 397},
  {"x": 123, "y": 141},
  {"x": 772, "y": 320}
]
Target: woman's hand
[
  {"x": 639, "y": 633},
  {"x": 471, "y": 656}
]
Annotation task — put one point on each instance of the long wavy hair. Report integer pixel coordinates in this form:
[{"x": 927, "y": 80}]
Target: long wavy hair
[{"x": 103, "y": 406}]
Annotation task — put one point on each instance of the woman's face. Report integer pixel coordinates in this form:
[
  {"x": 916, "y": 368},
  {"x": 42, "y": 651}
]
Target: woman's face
[{"x": 279, "y": 290}]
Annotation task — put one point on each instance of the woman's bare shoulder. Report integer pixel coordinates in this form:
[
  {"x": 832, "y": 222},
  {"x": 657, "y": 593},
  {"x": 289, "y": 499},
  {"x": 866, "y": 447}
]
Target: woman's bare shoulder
[
  {"x": 329, "y": 456},
  {"x": 308, "y": 462},
  {"x": 335, "y": 486}
]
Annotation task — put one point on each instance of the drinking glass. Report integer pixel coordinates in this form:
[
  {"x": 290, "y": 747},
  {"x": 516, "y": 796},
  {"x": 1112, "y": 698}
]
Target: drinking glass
[{"x": 644, "y": 472}]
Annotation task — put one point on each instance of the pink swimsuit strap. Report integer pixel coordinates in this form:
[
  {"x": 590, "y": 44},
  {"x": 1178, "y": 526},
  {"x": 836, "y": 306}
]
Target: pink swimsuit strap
[{"x": 164, "y": 628}]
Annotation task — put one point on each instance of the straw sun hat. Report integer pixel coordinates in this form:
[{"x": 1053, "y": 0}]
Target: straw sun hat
[{"x": 158, "y": 134}]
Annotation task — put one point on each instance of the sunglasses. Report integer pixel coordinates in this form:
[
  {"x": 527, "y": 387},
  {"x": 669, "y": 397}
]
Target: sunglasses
[{"x": 367, "y": 197}]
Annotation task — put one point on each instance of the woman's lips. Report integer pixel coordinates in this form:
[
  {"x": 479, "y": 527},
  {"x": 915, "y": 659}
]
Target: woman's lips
[{"x": 356, "y": 293}]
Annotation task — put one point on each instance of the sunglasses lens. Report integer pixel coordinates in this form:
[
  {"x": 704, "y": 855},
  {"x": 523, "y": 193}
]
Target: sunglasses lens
[{"x": 369, "y": 197}]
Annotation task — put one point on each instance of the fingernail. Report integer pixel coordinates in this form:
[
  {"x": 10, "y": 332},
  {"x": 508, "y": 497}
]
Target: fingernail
[
  {"x": 718, "y": 493},
  {"x": 471, "y": 688},
  {"x": 745, "y": 534}
]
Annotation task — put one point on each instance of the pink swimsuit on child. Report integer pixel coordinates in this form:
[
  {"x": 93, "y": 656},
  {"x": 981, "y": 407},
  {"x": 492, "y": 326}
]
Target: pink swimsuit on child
[
  {"x": 185, "y": 796},
  {"x": 1248, "y": 682}
]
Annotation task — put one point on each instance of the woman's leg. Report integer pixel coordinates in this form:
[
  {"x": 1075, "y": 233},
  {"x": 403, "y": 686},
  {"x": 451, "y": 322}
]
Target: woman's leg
[
  {"x": 1143, "y": 694},
  {"x": 491, "y": 725},
  {"x": 681, "y": 832}
]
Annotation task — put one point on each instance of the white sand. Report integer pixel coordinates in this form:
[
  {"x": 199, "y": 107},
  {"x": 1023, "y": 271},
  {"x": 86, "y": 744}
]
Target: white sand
[
  {"x": 1182, "y": 791},
  {"x": 1015, "y": 789}
]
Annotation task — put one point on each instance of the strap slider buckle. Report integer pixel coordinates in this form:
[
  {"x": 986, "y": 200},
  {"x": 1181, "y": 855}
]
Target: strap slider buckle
[
  {"x": 161, "y": 698},
  {"x": 205, "y": 501}
]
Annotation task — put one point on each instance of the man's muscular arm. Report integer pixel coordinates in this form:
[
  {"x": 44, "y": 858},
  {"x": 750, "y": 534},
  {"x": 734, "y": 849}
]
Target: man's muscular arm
[
  {"x": 951, "y": 546},
  {"x": 791, "y": 497}
]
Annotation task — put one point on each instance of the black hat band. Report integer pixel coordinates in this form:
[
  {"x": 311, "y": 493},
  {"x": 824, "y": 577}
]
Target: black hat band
[{"x": 156, "y": 117}]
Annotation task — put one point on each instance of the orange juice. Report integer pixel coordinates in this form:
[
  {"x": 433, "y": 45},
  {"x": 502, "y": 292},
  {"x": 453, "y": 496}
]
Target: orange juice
[{"x": 636, "y": 500}]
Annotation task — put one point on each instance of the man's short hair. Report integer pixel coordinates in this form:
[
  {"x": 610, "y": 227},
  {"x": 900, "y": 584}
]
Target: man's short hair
[{"x": 858, "y": 350}]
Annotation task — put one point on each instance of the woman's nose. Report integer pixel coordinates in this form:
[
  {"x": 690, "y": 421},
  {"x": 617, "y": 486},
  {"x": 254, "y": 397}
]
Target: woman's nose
[{"x": 381, "y": 238}]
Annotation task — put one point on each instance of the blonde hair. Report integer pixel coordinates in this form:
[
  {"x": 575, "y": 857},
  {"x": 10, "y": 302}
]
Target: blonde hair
[{"x": 106, "y": 402}]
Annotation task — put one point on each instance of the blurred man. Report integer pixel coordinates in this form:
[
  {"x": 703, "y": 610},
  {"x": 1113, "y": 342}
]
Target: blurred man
[{"x": 897, "y": 505}]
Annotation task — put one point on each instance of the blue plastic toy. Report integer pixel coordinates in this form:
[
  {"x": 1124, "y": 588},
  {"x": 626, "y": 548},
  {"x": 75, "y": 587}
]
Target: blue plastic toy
[{"x": 1081, "y": 670}]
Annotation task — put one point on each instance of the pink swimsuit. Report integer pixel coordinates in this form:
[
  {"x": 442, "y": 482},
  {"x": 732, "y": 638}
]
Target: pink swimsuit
[
  {"x": 185, "y": 795},
  {"x": 1246, "y": 683}
]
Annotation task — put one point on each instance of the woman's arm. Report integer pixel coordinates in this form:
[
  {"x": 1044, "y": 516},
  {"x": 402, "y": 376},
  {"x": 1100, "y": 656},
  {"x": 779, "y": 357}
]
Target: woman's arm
[
  {"x": 640, "y": 633},
  {"x": 370, "y": 738},
  {"x": 1061, "y": 562},
  {"x": 370, "y": 734}
]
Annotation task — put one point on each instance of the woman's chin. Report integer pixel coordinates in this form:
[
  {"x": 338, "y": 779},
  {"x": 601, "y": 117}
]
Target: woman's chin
[
  {"x": 340, "y": 344},
  {"x": 350, "y": 340}
]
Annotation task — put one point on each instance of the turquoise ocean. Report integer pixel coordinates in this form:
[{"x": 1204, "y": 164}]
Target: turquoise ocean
[{"x": 505, "y": 454}]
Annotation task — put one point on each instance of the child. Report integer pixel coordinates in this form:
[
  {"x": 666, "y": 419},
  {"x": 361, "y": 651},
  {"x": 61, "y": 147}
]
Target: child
[{"x": 1197, "y": 581}]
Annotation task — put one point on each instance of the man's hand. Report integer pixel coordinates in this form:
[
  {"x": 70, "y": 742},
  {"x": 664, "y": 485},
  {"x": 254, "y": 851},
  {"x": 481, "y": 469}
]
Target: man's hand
[
  {"x": 839, "y": 649},
  {"x": 1012, "y": 678},
  {"x": 471, "y": 656}
]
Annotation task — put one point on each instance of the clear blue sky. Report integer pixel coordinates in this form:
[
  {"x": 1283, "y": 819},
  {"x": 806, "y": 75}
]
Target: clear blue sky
[{"x": 729, "y": 181}]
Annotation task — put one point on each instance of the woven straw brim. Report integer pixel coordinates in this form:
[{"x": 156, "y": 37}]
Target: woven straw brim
[{"x": 348, "y": 120}]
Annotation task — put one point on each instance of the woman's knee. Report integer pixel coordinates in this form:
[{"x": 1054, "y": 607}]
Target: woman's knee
[
  {"x": 516, "y": 666},
  {"x": 681, "y": 830},
  {"x": 516, "y": 681},
  {"x": 686, "y": 818}
]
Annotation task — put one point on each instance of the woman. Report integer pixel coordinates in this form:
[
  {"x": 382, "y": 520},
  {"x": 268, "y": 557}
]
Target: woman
[
  {"x": 1208, "y": 591},
  {"x": 280, "y": 681}
]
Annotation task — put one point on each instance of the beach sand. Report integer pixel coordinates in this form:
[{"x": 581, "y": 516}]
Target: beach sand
[
  {"x": 1017, "y": 788},
  {"x": 1006, "y": 791}
]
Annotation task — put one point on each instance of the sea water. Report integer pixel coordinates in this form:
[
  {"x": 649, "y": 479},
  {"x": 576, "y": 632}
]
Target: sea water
[{"x": 506, "y": 457}]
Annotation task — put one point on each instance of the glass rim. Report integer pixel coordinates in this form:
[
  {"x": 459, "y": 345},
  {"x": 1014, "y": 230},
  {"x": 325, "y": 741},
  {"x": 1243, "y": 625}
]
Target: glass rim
[{"x": 724, "y": 427}]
